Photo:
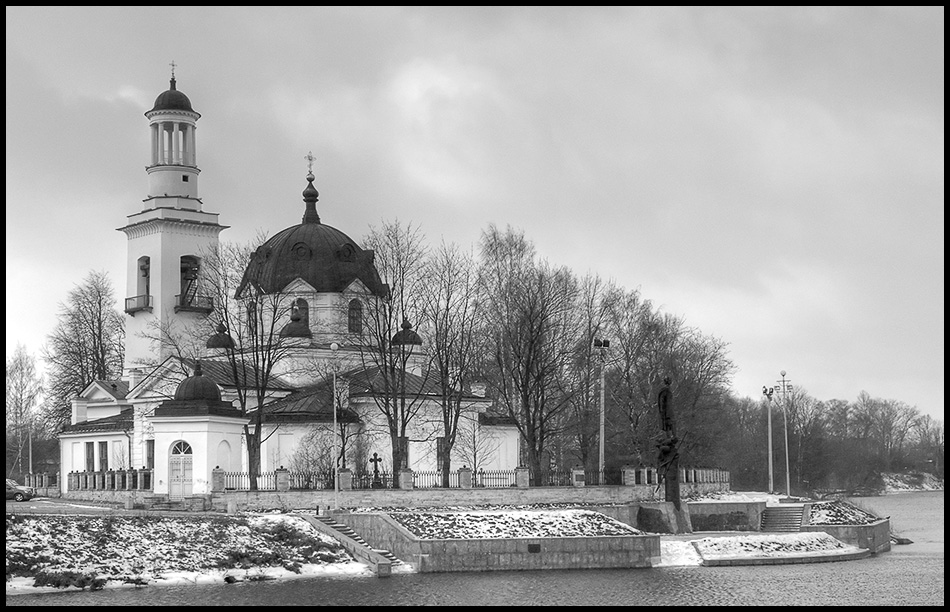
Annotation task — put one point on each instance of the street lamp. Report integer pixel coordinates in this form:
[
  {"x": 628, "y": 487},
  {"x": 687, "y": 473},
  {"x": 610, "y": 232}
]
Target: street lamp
[
  {"x": 767, "y": 392},
  {"x": 403, "y": 338},
  {"x": 603, "y": 345},
  {"x": 785, "y": 388},
  {"x": 334, "y": 347}
]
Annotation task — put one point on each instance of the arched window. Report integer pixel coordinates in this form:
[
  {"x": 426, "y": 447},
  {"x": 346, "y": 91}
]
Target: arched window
[
  {"x": 144, "y": 285},
  {"x": 355, "y": 317},
  {"x": 303, "y": 309},
  {"x": 181, "y": 448},
  {"x": 189, "y": 278},
  {"x": 252, "y": 317}
]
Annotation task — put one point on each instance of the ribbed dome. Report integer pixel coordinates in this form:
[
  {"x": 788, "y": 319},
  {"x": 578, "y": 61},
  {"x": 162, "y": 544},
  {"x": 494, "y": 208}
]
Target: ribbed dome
[
  {"x": 172, "y": 100},
  {"x": 198, "y": 387},
  {"x": 323, "y": 256}
]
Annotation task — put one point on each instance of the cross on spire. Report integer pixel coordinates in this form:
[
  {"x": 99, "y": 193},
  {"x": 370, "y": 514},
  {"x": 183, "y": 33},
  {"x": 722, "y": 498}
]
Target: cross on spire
[
  {"x": 173, "y": 64},
  {"x": 309, "y": 157}
]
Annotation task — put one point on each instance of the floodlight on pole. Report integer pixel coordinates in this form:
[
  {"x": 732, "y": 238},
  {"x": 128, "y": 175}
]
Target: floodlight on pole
[
  {"x": 767, "y": 392},
  {"x": 603, "y": 345},
  {"x": 785, "y": 388}
]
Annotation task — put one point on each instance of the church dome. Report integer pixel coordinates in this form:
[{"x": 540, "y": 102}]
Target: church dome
[
  {"x": 172, "y": 100},
  {"x": 320, "y": 255},
  {"x": 198, "y": 387}
]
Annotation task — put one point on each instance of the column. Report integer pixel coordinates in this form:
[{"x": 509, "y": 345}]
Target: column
[{"x": 176, "y": 143}]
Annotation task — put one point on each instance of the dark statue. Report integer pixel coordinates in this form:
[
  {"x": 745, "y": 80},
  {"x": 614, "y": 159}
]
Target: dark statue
[{"x": 668, "y": 461}]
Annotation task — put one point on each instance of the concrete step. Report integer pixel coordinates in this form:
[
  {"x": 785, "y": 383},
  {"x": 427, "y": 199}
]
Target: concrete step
[{"x": 782, "y": 518}]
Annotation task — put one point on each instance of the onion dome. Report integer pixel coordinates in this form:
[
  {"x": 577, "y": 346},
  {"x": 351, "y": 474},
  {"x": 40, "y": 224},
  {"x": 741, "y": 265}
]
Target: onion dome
[
  {"x": 172, "y": 100},
  {"x": 322, "y": 256},
  {"x": 198, "y": 387},
  {"x": 296, "y": 328},
  {"x": 406, "y": 336},
  {"x": 220, "y": 340}
]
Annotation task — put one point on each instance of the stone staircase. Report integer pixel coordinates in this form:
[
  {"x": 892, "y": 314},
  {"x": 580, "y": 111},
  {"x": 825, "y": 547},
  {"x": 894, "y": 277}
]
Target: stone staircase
[
  {"x": 783, "y": 518},
  {"x": 348, "y": 532}
]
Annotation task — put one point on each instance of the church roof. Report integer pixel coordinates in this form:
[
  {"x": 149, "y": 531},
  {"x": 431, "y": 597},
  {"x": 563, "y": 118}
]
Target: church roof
[
  {"x": 172, "y": 99},
  {"x": 221, "y": 373},
  {"x": 116, "y": 388},
  {"x": 116, "y": 422},
  {"x": 372, "y": 381},
  {"x": 312, "y": 404},
  {"x": 322, "y": 256}
]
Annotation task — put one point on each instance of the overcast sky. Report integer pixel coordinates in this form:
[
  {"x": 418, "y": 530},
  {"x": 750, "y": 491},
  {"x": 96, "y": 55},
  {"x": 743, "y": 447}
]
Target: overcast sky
[{"x": 773, "y": 176}]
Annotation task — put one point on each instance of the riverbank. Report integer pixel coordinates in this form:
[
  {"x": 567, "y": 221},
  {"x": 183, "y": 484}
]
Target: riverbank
[{"x": 119, "y": 549}]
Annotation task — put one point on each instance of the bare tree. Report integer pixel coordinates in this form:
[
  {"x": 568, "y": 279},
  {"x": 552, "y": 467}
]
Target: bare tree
[
  {"x": 24, "y": 386},
  {"x": 532, "y": 330},
  {"x": 253, "y": 314},
  {"x": 86, "y": 345},
  {"x": 399, "y": 258},
  {"x": 451, "y": 311}
]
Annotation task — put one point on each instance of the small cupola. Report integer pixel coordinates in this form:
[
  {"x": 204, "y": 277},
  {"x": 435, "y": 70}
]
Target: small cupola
[
  {"x": 221, "y": 339},
  {"x": 198, "y": 387}
]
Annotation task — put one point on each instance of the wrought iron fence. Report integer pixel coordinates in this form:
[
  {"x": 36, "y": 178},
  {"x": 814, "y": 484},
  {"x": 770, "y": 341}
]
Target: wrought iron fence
[
  {"x": 555, "y": 478},
  {"x": 494, "y": 478},
  {"x": 433, "y": 479},
  {"x": 369, "y": 481},
  {"x": 310, "y": 481},
  {"x": 241, "y": 481}
]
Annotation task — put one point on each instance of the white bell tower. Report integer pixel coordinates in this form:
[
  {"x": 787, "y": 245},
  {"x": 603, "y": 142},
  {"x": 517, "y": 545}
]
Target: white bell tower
[{"x": 170, "y": 236}]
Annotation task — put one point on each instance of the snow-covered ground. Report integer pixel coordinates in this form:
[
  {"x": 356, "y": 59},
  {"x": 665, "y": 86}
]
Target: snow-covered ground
[{"x": 132, "y": 551}]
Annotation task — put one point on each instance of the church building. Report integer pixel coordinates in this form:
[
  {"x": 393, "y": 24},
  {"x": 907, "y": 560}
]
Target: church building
[{"x": 176, "y": 417}]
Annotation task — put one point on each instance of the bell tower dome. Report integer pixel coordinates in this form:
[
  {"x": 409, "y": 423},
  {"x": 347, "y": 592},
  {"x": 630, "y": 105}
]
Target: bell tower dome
[{"x": 170, "y": 236}]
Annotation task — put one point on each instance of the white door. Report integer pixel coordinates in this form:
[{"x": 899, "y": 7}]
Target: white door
[{"x": 180, "y": 481}]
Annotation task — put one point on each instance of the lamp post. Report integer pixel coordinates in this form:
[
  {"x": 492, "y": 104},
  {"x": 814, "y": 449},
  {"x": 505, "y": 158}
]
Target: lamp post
[
  {"x": 785, "y": 388},
  {"x": 334, "y": 347},
  {"x": 603, "y": 345},
  {"x": 403, "y": 338},
  {"x": 767, "y": 392}
]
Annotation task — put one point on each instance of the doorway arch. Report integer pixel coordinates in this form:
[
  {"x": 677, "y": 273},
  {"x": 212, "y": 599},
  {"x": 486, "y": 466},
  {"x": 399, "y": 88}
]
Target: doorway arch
[{"x": 180, "y": 480}]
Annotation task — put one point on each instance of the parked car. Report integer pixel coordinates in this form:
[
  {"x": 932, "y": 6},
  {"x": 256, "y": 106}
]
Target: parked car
[{"x": 18, "y": 492}]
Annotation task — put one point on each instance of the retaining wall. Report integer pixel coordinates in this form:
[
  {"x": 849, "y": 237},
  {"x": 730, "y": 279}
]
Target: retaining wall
[
  {"x": 726, "y": 516},
  {"x": 875, "y": 537},
  {"x": 453, "y": 555},
  {"x": 424, "y": 498}
]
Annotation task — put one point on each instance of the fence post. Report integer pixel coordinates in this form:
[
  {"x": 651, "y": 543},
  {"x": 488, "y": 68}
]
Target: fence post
[
  {"x": 522, "y": 477},
  {"x": 629, "y": 475},
  {"x": 465, "y": 477},
  {"x": 282, "y": 476},
  {"x": 578, "y": 477},
  {"x": 217, "y": 479},
  {"x": 405, "y": 479},
  {"x": 346, "y": 479}
]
